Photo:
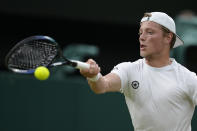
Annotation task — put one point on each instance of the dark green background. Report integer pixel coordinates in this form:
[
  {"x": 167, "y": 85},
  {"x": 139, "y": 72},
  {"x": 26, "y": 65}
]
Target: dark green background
[
  {"x": 61, "y": 103},
  {"x": 58, "y": 104},
  {"x": 113, "y": 11}
]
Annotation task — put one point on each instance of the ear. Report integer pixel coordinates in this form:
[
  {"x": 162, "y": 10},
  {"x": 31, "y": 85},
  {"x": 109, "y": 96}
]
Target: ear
[{"x": 169, "y": 37}]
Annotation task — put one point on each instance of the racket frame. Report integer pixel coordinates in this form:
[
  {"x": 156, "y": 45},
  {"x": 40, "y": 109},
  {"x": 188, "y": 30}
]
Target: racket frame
[{"x": 74, "y": 63}]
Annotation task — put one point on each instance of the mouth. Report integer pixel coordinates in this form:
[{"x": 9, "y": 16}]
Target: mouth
[{"x": 142, "y": 47}]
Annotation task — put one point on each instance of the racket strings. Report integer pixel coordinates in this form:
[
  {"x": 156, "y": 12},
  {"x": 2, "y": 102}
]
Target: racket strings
[{"x": 33, "y": 54}]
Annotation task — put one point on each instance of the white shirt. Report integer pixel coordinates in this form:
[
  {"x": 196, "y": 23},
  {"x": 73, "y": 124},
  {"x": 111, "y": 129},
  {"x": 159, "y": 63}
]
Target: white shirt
[{"x": 158, "y": 99}]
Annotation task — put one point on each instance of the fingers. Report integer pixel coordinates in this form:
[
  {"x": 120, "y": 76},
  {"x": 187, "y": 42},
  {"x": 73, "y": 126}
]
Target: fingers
[
  {"x": 92, "y": 71},
  {"x": 91, "y": 61}
]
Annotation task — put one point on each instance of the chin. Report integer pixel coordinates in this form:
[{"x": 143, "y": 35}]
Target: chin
[{"x": 143, "y": 54}]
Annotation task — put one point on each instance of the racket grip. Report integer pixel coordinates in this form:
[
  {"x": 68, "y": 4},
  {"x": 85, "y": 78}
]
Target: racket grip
[{"x": 81, "y": 65}]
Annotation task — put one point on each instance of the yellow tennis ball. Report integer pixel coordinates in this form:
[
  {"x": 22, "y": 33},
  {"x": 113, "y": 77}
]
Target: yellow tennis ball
[{"x": 41, "y": 73}]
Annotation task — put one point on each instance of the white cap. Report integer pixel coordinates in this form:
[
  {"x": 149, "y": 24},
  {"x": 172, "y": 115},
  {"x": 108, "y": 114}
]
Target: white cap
[{"x": 166, "y": 21}]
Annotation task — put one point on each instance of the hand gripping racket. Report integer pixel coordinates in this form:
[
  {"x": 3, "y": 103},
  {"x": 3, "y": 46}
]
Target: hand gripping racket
[{"x": 36, "y": 51}]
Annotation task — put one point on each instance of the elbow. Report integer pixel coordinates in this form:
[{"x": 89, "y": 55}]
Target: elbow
[{"x": 98, "y": 91}]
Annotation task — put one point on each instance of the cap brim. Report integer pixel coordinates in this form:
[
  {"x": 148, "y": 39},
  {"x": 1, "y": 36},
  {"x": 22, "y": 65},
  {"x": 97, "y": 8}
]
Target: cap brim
[{"x": 178, "y": 42}]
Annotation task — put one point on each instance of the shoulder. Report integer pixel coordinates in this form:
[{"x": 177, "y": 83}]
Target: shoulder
[
  {"x": 138, "y": 62},
  {"x": 183, "y": 69},
  {"x": 129, "y": 65},
  {"x": 184, "y": 72}
]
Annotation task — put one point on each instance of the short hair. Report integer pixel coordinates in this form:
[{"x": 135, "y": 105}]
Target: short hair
[
  {"x": 147, "y": 14},
  {"x": 166, "y": 31}
]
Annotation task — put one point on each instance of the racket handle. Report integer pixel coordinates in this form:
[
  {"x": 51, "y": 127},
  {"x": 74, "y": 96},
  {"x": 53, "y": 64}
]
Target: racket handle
[{"x": 81, "y": 65}]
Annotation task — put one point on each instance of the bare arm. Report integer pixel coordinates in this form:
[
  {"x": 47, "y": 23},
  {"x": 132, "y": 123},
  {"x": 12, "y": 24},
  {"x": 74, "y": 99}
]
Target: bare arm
[{"x": 108, "y": 83}]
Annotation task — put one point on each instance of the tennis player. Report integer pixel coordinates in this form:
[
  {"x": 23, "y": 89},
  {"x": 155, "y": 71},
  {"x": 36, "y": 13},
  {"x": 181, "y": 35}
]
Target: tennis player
[{"x": 160, "y": 93}]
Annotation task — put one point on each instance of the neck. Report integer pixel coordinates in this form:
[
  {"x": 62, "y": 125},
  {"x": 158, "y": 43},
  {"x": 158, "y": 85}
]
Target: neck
[{"x": 158, "y": 62}]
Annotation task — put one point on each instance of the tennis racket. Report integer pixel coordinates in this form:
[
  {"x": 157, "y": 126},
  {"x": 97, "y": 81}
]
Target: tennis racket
[{"x": 35, "y": 51}]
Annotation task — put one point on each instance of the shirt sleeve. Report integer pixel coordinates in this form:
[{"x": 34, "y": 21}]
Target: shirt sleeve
[
  {"x": 122, "y": 70},
  {"x": 192, "y": 86}
]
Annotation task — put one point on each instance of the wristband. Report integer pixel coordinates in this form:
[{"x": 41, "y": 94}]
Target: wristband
[{"x": 95, "y": 78}]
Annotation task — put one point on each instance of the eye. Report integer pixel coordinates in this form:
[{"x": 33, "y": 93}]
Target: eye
[
  {"x": 150, "y": 32},
  {"x": 139, "y": 33}
]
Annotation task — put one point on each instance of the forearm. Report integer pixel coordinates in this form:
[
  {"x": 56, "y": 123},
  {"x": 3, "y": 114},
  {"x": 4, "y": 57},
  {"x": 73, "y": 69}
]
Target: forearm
[
  {"x": 100, "y": 86},
  {"x": 98, "y": 83},
  {"x": 108, "y": 83}
]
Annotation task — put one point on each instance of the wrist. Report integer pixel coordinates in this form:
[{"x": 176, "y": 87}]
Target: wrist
[{"x": 95, "y": 78}]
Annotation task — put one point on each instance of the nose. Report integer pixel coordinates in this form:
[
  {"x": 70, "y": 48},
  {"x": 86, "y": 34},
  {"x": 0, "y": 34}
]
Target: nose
[{"x": 141, "y": 37}]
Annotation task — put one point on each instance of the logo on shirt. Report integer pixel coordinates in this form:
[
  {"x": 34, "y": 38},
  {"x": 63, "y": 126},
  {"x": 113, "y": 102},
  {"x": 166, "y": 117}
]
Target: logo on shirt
[{"x": 135, "y": 84}]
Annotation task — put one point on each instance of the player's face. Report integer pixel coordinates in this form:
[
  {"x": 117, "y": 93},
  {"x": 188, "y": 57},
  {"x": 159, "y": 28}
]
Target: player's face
[{"x": 151, "y": 38}]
